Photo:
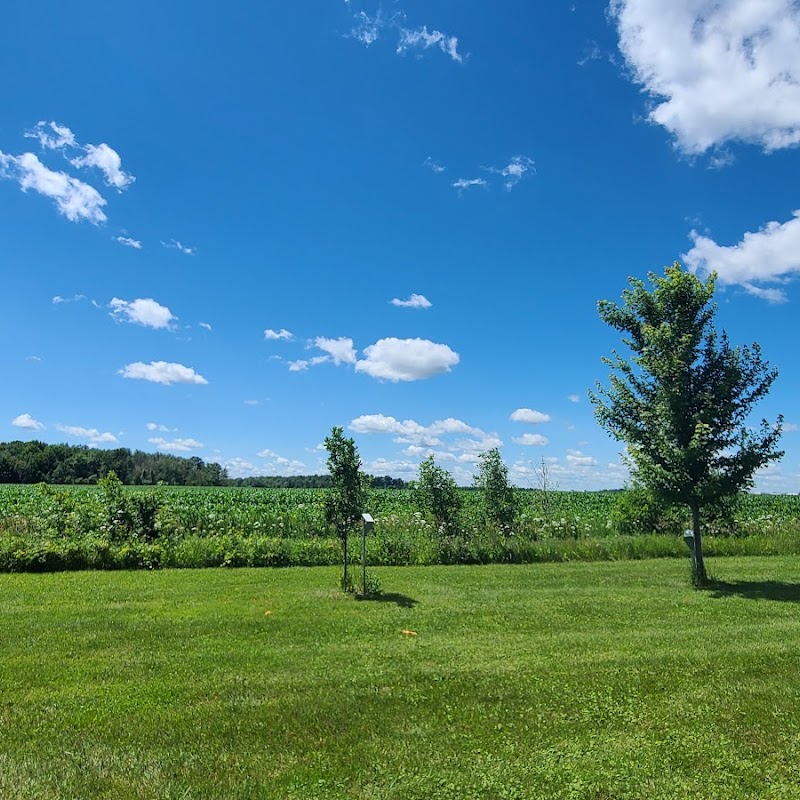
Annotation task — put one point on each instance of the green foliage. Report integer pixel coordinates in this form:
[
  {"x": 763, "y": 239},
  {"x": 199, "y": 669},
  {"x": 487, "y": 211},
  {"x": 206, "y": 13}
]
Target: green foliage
[
  {"x": 35, "y": 462},
  {"x": 57, "y": 528},
  {"x": 681, "y": 401},
  {"x": 345, "y": 501},
  {"x": 499, "y": 502},
  {"x": 437, "y": 495}
]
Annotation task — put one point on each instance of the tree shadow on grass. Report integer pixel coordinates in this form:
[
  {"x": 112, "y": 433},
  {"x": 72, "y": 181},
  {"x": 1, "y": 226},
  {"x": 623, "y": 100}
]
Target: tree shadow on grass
[
  {"x": 388, "y": 597},
  {"x": 757, "y": 590}
]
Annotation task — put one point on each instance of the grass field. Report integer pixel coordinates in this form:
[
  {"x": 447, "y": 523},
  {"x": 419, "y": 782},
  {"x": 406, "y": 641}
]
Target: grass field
[{"x": 608, "y": 680}]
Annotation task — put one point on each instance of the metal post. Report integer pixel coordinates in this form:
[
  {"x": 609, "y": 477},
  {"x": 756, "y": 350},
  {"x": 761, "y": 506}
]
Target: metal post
[{"x": 368, "y": 523}]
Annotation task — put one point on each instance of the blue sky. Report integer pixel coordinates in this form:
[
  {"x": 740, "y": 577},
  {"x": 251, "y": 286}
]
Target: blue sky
[{"x": 227, "y": 228}]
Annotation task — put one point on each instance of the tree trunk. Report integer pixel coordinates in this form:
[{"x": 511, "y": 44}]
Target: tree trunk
[{"x": 699, "y": 577}]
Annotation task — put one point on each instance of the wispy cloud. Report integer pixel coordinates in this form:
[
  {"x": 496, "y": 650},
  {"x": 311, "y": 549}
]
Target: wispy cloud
[
  {"x": 421, "y": 38},
  {"x": 434, "y": 166},
  {"x": 90, "y": 434},
  {"x": 369, "y": 29},
  {"x": 467, "y": 183},
  {"x": 59, "y": 300},
  {"x": 155, "y": 426},
  {"x": 128, "y": 242},
  {"x": 269, "y": 333},
  {"x": 205, "y": 325},
  {"x": 51, "y": 135},
  {"x": 143, "y": 311},
  {"x": 73, "y": 198},
  {"x": 414, "y": 301},
  {"x": 162, "y": 372},
  {"x": 516, "y": 169},
  {"x": 303, "y": 364},
  {"x": 176, "y": 445},
  {"x": 107, "y": 160},
  {"x": 531, "y": 440},
  {"x": 174, "y": 244}
]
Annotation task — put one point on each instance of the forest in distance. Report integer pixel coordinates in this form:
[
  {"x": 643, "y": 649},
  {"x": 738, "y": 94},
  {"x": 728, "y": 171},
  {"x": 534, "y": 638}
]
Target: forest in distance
[{"x": 64, "y": 464}]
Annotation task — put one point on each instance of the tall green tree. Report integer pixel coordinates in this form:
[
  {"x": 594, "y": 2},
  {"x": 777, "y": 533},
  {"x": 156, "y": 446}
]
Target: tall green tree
[
  {"x": 436, "y": 495},
  {"x": 345, "y": 500},
  {"x": 682, "y": 399},
  {"x": 498, "y": 501}
]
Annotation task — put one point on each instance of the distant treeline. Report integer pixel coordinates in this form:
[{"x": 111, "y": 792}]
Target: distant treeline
[
  {"x": 37, "y": 462},
  {"x": 310, "y": 482}
]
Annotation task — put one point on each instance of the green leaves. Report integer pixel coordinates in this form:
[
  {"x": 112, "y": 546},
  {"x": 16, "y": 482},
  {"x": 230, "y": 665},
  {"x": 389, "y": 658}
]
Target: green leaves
[
  {"x": 682, "y": 399},
  {"x": 499, "y": 503}
]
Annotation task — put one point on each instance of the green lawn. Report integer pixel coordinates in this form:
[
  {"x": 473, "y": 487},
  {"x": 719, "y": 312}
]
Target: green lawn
[{"x": 610, "y": 680}]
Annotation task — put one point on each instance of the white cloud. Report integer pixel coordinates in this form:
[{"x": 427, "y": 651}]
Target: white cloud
[
  {"x": 421, "y": 38},
  {"x": 63, "y": 137},
  {"x": 411, "y": 430},
  {"x": 716, "y": 72},
  {"x": 304, "y": 364},
  {"x": 239, "y": 468},
  {"x": 161, "y": 372},
  {"x": 52, "y": 136},
  {"x": 466, "y": 183},
  {"x": 91, "y": 434},
  {"x": 514, "y": 171},
  {"x": 771, "y": 254},
  {"x": 340, "y": 350},
  {"x": 530, "y": 416},
  {"x": 143, "y": 311},
  {"x": 281, "y": 334},
  {"x": 575, "y": 458},
  {"x": 790, "y": 427},
  {"x": 486, "y": 442},
  {"x": 574, "y": 398},
  {"x": 107, "y": 160},
  {"x": 74, "y": 199},
  {"x": 251, "y": 402},
  {"x": 57, "y": 300},
  {"x": 128, "y": 242},
  {"x": 154, "y": 426},
  {"x": 174, "y": 244},
  {"x": 422, "y": 438},
  {"x": 176, "y": 445},
  {"x": 205, "y": 325},
  {"x": 27, "y": 422},
  {"x": 279, "y": 465},
  {"x": 414, "y": 301},
  {"x": 531, "y": 440},
  {"x": 406, "y": 359},
  {"x": 367, "y": 30},
  {"x": 433, "y": 165}
]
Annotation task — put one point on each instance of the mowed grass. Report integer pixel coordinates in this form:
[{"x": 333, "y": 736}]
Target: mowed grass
[{"x": 610, "y": 680}]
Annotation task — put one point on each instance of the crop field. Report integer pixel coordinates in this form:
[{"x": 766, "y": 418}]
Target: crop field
[
  {"x": 44, "y": 528},
  {"x": 559, "y": 681}
]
